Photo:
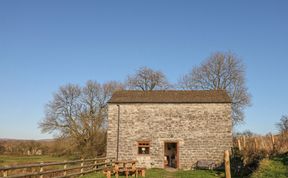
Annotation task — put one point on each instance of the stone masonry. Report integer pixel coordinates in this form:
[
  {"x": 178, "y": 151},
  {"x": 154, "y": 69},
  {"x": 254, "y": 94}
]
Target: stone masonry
[{"x": 202, "y": 130}]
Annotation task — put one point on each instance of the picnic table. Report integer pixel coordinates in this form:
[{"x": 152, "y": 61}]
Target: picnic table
[{"x": 127, "y": 167}]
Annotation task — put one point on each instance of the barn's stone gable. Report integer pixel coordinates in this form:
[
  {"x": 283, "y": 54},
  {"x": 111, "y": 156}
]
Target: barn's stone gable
[{"x": 202, "y": 130}]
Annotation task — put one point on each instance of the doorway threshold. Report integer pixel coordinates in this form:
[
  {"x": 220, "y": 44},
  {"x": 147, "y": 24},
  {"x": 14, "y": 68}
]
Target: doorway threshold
[{"x": 170, "y": 169}]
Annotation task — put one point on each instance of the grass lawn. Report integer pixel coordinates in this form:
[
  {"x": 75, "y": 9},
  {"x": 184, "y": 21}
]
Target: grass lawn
[
  {"x": 268, "y": 168},
  {"x": 272, "y": 168},
  {"x": 6, "y": 160},
  {"x": 161, "y": 173}
]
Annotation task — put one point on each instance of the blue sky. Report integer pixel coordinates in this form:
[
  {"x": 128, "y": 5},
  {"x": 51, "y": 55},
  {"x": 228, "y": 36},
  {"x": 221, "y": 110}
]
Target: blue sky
[{"x": 46, "y": 44}]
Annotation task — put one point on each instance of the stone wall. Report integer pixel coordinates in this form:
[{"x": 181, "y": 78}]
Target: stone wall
[{"x": 202, "y": 131}]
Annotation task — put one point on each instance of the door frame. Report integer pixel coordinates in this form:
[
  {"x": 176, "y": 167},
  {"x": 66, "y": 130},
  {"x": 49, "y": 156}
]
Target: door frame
[{"x": 177, "y": 152}]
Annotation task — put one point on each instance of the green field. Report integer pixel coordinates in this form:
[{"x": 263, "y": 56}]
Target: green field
[{"x": 6, "y": 160}]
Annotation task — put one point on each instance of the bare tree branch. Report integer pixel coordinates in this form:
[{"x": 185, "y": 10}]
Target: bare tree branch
[
  {"x": 221, "y": 71},
  {"x": 147, "y": 79},
  {"x": 283, "y": 124},
  {"x": 79, "y": 114}
]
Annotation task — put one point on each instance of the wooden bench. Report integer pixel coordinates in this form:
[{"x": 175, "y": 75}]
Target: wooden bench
[{"x": 205, "y": 164}]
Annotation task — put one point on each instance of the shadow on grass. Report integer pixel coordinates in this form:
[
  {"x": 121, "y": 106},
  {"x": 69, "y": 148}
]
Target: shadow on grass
[{"x": 283, "y": 158}]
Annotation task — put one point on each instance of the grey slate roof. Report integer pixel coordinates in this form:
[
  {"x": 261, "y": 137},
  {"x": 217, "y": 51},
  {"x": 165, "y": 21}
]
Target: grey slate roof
[{"x": 170, "y": 96}]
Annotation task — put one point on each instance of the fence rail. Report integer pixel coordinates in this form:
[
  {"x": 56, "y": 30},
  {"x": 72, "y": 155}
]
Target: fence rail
[{"x": 86, "y": 166}]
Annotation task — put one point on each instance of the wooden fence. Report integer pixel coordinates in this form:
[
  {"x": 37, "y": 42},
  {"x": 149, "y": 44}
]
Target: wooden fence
[
  {"x": 269, "y": 143},
  {"x": 70, "y": 168}
]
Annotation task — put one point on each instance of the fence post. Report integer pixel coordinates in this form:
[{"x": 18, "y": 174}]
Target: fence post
[
  {"x": 227, "y": 164},
  {"x": 82, "y": 169},
  {"x": 272, "y": 138},
  {"x": 273, "y": 142},
  {"x": 108, "y": 174},
  {"x": 239, "y": 144},
  {"x": 5, "y": 173},
  {"x": 41, "y": 169},
  {"x": 65, "y": 167},
  {"x": 244, "y": 142},
  {"x": 96, "y": 166},
  {"x": 116, "y": 168},
  {"x": 256, "y": 145}
]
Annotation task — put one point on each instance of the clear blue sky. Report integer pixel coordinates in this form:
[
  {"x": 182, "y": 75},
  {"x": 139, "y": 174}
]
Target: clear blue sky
[{"x": 46, "y": 44}]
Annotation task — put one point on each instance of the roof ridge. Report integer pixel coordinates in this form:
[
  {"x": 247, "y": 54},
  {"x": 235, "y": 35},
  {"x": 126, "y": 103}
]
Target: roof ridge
[{"x": 170, "y": 96}]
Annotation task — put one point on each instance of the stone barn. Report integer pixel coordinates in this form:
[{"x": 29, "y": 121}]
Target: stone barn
[{"x": 169, "y": 128}]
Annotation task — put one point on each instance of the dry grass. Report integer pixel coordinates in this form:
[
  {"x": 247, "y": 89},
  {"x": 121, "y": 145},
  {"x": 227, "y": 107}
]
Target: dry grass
[
  {"x": 249, "y": 151},
  {"x": 268, "y": 145}
]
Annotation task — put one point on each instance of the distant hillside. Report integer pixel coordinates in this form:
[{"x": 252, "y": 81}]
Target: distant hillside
[
  {"x": 13, "y": 139},
  {"x": 27, "y": 147}
]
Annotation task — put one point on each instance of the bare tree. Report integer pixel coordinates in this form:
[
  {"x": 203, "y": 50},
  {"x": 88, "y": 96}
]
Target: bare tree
[
  {"x": 79, "y": 114},
  {"x": 2, "y": 149},
  {"x": 221, "y": 71},
  {"x": 147, "y": 79},
  {"x": 247, "y": 133},
  {"x": 283, "y": 124}
]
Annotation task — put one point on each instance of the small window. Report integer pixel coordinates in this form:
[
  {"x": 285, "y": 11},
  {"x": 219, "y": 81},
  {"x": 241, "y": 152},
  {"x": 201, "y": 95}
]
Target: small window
[{"x": 143, "y": 148}]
